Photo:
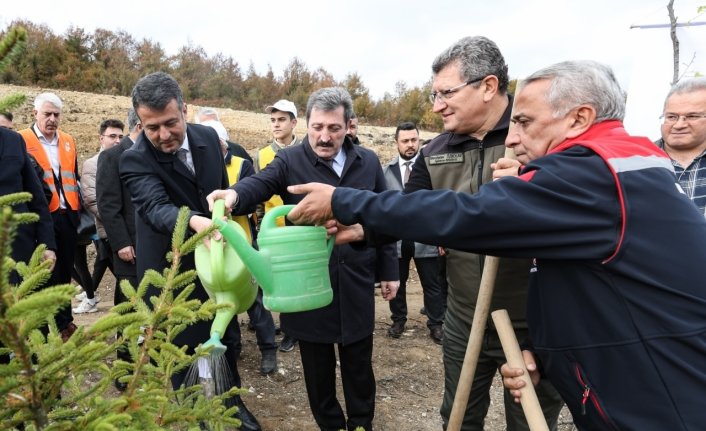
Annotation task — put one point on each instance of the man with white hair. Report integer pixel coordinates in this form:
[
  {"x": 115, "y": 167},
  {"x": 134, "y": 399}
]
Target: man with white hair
[
  {"x": 684, "y": 136},
  {"x": 55, "y": 152},
  {"x": 209, "y": 117},
  {"x": 616, "y": 304}
]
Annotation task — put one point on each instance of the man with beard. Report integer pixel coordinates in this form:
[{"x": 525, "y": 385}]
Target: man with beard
[{"x": 426, "y": 257}]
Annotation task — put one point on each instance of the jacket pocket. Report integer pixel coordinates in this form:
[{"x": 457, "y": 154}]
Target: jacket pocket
[{"x": 589, "y": 397}]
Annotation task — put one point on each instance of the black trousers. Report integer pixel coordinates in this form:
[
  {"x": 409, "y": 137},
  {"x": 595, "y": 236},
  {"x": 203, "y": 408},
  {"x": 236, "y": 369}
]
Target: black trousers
[
  {"x": 264, "y": 324},
  {"x": 429, "y": 272},
  {"x": 319, "y": 364},
  {"x": 123, "y": 271},
  {"x": 104, "y": 260},
  {"x": 80, "y": 271},
  {"x": 66, "y": 238}
]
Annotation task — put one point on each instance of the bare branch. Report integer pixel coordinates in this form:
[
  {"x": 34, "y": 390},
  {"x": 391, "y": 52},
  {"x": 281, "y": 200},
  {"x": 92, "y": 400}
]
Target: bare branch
[{"x": 675, "y": 41}]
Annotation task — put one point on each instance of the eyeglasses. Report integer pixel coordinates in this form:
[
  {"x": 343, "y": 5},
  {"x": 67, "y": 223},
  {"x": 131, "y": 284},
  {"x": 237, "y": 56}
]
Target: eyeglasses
[
  {"x": 689, "y": 118},
  {"x": 113, "y": 136},
  {"x": 447, "y": 94}
]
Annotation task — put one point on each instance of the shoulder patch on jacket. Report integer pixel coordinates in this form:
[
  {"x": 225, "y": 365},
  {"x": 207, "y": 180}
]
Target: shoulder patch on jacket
[{"x": 441, "y": 159}]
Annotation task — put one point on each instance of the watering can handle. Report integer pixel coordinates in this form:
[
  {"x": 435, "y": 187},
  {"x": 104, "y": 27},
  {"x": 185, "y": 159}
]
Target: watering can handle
[
  {"x": 270, "y": 219},
  {"x": 216, "y": 253},
  {"x": 270, "y": 222}
]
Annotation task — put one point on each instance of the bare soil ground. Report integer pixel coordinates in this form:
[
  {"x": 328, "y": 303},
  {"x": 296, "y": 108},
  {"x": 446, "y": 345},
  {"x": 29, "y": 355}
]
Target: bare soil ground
[{"x": 408, "y": 370}]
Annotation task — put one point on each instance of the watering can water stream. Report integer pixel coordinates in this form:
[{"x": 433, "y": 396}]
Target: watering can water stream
[
  {"x": 291, "y": 265},
  {"x": 225, "y": 279}
]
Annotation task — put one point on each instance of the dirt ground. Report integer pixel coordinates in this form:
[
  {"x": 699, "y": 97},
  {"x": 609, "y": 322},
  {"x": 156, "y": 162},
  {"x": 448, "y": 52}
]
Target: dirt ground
[{"x": 408, "y": 370}]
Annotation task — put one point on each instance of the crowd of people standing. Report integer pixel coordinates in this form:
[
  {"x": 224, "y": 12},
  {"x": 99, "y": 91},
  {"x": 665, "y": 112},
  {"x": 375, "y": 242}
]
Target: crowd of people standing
[{"x": 587, "y": 221}]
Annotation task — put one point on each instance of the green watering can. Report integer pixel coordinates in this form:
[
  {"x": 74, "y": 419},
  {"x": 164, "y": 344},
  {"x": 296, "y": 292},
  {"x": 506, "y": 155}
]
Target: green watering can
[
  {"x": 291, "y": 265},
  {"x": 225, "y": 278}
]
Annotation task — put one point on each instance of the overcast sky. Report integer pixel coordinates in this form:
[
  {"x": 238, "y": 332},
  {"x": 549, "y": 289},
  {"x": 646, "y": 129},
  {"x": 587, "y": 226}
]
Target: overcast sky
[{"x": 384, "y": 41}]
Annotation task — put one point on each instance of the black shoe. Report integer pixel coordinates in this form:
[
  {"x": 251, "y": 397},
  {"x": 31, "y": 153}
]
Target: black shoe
[
  {"x": 248, "y": 421},
  {"x": 120, "y": 385},
  {"x": 268, "y": 364},
  {"x": 423, "y": 311},
  {"x": 396, "y": 330},
  {"x": 287, "y": 343},
  {"x": 437, "y": 334}
]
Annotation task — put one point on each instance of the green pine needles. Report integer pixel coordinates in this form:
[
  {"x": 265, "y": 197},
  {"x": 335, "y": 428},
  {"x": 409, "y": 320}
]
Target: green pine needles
[
  {"x": 11, "y": 46},
  {"x": 52, "y": 385}
]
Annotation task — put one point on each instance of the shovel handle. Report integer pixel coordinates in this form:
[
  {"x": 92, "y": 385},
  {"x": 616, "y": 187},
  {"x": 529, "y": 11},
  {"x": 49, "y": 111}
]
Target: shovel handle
[
  {"x": 475, "y": 338},
  {"x": 529, "y": 401},
  {"x": 475, "y": 341}
]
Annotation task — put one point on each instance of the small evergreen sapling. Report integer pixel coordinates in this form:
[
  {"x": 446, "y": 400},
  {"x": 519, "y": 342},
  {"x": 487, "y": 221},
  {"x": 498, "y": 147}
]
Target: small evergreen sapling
[{"x": 51, "y": 385}]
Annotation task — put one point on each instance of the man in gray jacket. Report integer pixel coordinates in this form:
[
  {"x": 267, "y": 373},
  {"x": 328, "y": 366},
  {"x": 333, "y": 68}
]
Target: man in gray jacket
[{"x": 426, "y": 257}]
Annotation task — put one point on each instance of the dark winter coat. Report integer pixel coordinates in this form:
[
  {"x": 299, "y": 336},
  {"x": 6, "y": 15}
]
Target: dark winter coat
[
  {"x": 350, "y": 317},
  {"x": 616, "y": 304}
]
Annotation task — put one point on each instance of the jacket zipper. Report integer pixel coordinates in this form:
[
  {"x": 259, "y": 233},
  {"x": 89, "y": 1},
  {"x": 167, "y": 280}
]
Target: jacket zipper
[
  {"x": 481, "y": 151},
  {"x": 589, "y": 394}
]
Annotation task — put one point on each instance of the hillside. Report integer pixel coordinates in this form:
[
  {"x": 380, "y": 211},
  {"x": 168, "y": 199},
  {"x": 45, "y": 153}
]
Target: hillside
[{"x": 83, "y": 113}]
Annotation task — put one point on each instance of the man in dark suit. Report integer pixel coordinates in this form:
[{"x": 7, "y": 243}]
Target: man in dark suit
[
  {"x": 161, "y": 181},
  {"x": 426, "y": 257},
  {"x": 18, "y": 175},
  {"x": 326, "y": 155},
  {"x": 115, "y": 206},
  {"x": 118, "y": 215}
]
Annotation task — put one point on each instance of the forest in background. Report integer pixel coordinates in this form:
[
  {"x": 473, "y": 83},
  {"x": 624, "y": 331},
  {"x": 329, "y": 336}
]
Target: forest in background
[{"x": 108, "y": 62}]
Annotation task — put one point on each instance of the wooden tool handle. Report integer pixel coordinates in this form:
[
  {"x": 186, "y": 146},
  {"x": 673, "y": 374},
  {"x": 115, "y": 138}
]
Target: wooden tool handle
[
  {"x": 529, "y": 401},
  {"x": 475, "y": 338},
  {"x": 475, "y": 341}
]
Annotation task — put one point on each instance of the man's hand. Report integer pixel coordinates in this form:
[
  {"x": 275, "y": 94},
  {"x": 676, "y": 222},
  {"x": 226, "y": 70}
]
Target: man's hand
[
  {"x": 51, "y": 256},
  {"x": 315, "y": 208},
  {"x": 344, "y": 234},
  {"x": 201, "y": 223},
  {"x": 388, "y": 289},
  {"x": 229, "y": 195},
  {"x": 511, "y": 376},
  {"x": 505, "y": 167},
  {"x": 127, "y": 254}
]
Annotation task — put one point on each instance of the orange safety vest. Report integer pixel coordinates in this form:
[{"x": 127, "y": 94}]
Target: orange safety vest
[{"x": 67, "y": 167}]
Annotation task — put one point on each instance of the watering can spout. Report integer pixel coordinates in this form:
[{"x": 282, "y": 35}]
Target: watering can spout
[
  {"x": 253, "y": 259},
  {"x": 225, "y": 279}
]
